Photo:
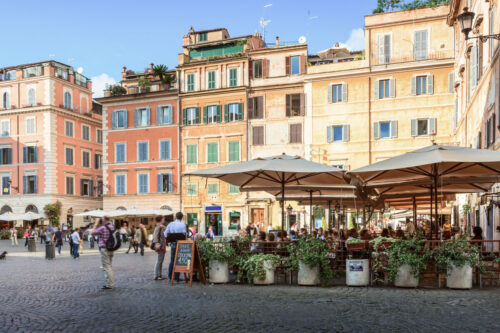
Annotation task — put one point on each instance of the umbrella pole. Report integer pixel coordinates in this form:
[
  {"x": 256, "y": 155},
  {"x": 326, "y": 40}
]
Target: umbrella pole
[
  {"x": 414, "y": 212},
  {"x": 436, "y": 201},
  {"x": 310, "y": 211},
  {"x": 283, "y": 202},
  {"x": 431, "y": 194},
  {"x": 329, "y": 214}
]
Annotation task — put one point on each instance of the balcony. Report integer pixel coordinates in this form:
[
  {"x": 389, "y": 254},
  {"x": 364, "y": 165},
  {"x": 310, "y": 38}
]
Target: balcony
[{"x": 398, "y": 57}]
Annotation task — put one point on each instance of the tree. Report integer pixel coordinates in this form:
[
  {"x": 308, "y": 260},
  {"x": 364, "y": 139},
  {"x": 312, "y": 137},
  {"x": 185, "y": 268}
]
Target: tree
[
  {"x": 160, "y": 71},
  {"x": 384, "y": 6},
  {"x": 53, "y": 211}
]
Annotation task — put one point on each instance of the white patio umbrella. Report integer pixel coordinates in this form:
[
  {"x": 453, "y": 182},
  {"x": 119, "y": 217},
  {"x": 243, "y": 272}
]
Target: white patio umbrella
[
  {"x": 9, "y": 217},
  {"x": 93, "y": 213}
]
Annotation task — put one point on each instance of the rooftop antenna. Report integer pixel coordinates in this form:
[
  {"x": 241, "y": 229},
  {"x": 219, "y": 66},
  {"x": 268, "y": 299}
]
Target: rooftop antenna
[{"x": 263, "y": 22}]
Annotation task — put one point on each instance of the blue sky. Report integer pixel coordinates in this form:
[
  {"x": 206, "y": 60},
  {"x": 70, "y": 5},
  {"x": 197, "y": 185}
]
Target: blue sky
[{"x": 103, "y": 36}]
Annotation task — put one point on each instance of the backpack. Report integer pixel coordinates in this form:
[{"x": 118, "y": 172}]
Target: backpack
[{"x": 114, "y": 241}]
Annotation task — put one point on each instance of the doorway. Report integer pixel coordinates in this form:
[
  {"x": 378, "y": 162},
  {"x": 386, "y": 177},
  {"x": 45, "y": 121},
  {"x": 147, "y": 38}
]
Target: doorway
[
  {"x": 258, "y": 216},
  {"x": 214, "y": 220}
]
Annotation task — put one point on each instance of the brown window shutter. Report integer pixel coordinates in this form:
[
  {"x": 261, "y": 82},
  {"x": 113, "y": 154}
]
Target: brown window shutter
[
  {"x": 288, "y": 105},
  {"x": 302, "y": 64},
  {"x": 250, "y": 107},
  {"x": 302, "y": 104},
  {"x": 260, "y": 107},
  {"x": 265, "y": 69},
  {"x": 250, "y": 69},
  {"x": 287, "y": 65}
]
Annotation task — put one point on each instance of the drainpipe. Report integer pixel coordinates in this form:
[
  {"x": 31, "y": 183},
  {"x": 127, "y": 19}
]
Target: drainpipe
[{"x": 18, "y": 143}]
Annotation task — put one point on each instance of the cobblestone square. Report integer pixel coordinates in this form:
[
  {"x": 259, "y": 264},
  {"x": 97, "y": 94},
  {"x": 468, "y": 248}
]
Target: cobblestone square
[{"x": 64, "y": 295}]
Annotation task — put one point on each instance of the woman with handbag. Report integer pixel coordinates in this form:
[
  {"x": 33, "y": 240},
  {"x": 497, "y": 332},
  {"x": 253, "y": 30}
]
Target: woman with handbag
[{"x": 159, "y": 244}]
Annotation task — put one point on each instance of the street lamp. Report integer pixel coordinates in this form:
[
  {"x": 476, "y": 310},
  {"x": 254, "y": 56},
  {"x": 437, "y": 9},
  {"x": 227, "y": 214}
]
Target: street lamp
[
  {"x": 289, "y": 210},
  {"x": 465, "y": 19},
  {"x": 12, "y": 187}
]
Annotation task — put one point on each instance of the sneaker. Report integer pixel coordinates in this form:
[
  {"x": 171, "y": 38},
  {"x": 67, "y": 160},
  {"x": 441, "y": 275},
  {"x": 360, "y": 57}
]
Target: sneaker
[{"x": 106, "y": 288}]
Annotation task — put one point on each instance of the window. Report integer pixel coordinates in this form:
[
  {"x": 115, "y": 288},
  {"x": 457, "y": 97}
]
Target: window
[
  {"x": 80, "y": 80},
  {"x": 69, "y": 156},
  {"x": 492, "y": 31},
  {"x": 87, "y": 187},
  {"x": 85, "y": 159},
  {"x": 98, "y": 161},
  {"x": 257, "y": 135},
  {"x": 192, "y": 189},
  {"x": 255, "y": 107},
  {"x": 99, "y": 135},
  {"x": 202, "y": 37},
  {"x": 424, "y": 126},
  {"x": 212, "y": 114},
  {"x": 85, "y": 133},
  {"x": 70, "y": 185},
  {"x": 294, "y": 105},
  {"x": 295, "y": 133},
  {"x": 190, "y": 82},
  {"x": 68, "y": 128},
  {"x": 383, "y": 89},
  {"x": 31, "y": 97},
  {"x": 420, "y": 45},
  {"x": 212, "y": 152},
  {"x": 143, "y": 183},
  {"x": 336, "y": 93},
  {"x": 29, "y": 185},
  {"x": 164, "y": 182},
  {"x": 142, "y": 117},
  {"x": 233, "y": 77},
  {"x": 295, "y": 65},
  {"x": 211, "y": 80},
  {"x": 191, "y": 218},
  {"x": 119, "y": 119},
  {"x": 191, "y": 116},
  {"x": 5, "y": 155},
  {"x": 421, "y": 85},
  {"x": 164, "y": 149},
  {"x": 384, "y": 49},
  {"x": 29, "y": 154},
  {"x": 234, "y": 151},
  {"x": 67, "y": 100},
  {"x": 474, "y": 65},
  {"x": 6, "y": 100},
  {"x": 62, "y": 73},
  {"x": 120, "y": 184},
  {"x": 192, "y": 154},
  {"x": 5, "y": 185},
  {"x": 10, "y": 75},
  {"x": 213, "y": 188},
  {"x": 119, "y": 152},
  {"x": 164, "y": 115},
  {"x": 5, "y": 127},
  {"x": 30, "y": 125},
  {"x": 490, "y": 131},
  {"x": 142, "y": 151},
  {"x": 100, "y": 187},
  {"x": 32, "y": 71},
  {"x": 257, "y": 69},
  {"x": 233, "y": 189},
  {"x": 337, "y": 133},
  {"x": 233, "y": 112},
  {"x": 385, "y": 129}
]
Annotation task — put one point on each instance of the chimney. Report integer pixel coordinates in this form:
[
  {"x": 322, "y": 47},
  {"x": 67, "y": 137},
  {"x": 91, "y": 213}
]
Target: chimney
[
  {"x": 152, "y": 65},
  {"x": 337, "y": 44},
  {"x": 124, "y": 69},
  {"x": 277, "y": 41}
]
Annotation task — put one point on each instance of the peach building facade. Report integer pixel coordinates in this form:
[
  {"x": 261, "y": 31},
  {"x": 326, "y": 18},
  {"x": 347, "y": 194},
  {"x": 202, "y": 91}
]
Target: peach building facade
[{"x": 50, "y": 142}]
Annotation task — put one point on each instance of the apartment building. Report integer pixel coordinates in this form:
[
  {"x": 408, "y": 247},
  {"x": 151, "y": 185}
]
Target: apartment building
[
  {"x": 50, "y": 143},
  {"x": 141, "y": 143}
]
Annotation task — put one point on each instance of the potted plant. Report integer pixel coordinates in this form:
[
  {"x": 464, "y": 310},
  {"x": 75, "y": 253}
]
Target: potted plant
[
  {"x": 355, "y": 244},
  {"x": 458, "y": 258},
  {"x": 310, "y": 257},
  {"x": 161, "y": 71},
  {"x": 143, "y": 84},
  {"x": 218, "y": 255},
  {"x": 357, "y": 270},
  {"x": 259, "y": 268}
]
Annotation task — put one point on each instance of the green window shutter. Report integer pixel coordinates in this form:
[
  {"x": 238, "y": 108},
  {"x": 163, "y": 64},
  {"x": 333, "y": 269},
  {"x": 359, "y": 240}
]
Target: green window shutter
[
  {"x": 197, "y": 115},
  {"x": 240, "y": 111},
  {"x": 226, "y": 112},
  {"x": 205, "y": 114},
  {"x": 376, "y": 130},
  {"x": 219, "y": 113},
  {"x": 394, "y": 128},
  {"x": 330, "y": 88},
  {"x": 432, "y": 125},
  {"x": 184, "y": 117},
  {"x": 392, "y": 88},
  {"x": 329, "y": 133},
  {"x": 344, "y": 92},
  {"x": 430, "y": 84},
  {"x": 375, "y": 89},
  {"x": 414, "y": 85},
  {"x": 345, "y": 133},
  {"x": 414, "y": 127}
]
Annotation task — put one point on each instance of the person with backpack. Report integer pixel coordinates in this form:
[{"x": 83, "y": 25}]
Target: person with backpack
[
  {"x": 109, "y": 241},
  {"x": 159, "y": 245},
  {"x": 142, "y": 238}
]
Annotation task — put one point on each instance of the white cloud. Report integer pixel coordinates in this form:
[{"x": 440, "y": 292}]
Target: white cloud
[
  {"x": 100, "y": 82},
  {"x": 356, "y": 41}
]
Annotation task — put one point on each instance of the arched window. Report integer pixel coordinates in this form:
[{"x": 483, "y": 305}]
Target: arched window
[
  {"x": 6, "y": 100},
  {"x": 6, "y": 209},
  {"x": 31, "y": 97},
  {"x": 121, "y": 208},
  {"x": 166, "y": 207},
  {"x": 31, "y": 208},
  {"x": 67, "y": 100}
]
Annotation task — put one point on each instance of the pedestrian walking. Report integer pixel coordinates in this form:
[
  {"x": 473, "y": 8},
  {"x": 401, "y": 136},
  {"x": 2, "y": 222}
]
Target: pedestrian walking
[
  {"x": 13, "y": 236},
  {"x": 160, "y": 246},
  {"x": 42, "y": 236},
  {"x": 142, "y": 238},
  {"x": 80, "y": 247},
  {"x": 91, "y": 240},
  {"x": 58, "y": 239},
  {"x": 123, "y": 233},
  {"x": 27, "y": 235},
  {"x": 132, "y": 240},
  {"x": 103, "y": 230},
  {"x": 75, "y": 238},
  {"x": 174, "y": 232},
  {"x": 70, "y": 241}
]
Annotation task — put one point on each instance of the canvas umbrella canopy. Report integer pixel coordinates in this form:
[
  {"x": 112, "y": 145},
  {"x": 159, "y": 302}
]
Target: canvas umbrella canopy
[
  {"x": 94, "y": 213},
  {"x": 452, "y": 169},
  {"x": 270, "y": 172},
  {"x": 9, "y": 217}
]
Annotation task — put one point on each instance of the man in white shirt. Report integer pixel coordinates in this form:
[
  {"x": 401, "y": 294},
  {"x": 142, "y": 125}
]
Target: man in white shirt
[
  {"x": 13, "y": 236},
  {"x": 176, "y": 230},
  {"x": 75, "y": 237}
]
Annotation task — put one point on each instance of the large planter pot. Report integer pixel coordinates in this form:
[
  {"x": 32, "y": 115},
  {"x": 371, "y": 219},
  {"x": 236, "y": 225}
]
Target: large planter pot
[
  {"x": 307, "y": 276},
  {"x": 357, "y": 272},
  {"x": 459, "y": 277},
  {"x": 218, "y": 271},
  {"x": 404, "y": 277},
  {"x": 269, "y": 278}
]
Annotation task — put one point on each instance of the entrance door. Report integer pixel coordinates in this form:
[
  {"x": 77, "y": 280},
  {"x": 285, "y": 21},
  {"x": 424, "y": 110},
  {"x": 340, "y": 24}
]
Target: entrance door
[
  {"x": 214, "y": 220},
  {"x": 258, "y": 216},
  {"x": 489, "y": 228}
]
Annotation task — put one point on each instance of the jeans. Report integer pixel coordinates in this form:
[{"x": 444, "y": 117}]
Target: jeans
[
  {"x": 132, "y": 244},
  {"x": 141, "y": 246},
  {"x": 75, "y": 250},
  {"x": 173, "y": 247},
  {"x": 58, "y": 249},
  {"x": 159, "y": 264},
  {"x": 91, "y": 242},
  {"x": 106, "y": 262}
]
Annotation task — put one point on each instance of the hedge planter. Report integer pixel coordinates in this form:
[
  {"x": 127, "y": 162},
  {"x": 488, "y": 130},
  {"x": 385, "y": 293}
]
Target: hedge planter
[
  {"x": 405, "y": 278},
  {"x": 357, "y": 272},
  {"x": 269, "y": 278},
  {"x": 459, "y": 277},
  {"x": 218, "y": 271},
  {"x": 307, "y": 276}
]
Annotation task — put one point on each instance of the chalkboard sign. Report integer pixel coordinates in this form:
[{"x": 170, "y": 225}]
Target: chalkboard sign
[{"x": 187, "y": 260}]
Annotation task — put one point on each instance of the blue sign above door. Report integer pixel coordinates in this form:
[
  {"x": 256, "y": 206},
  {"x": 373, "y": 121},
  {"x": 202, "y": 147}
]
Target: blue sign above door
[{"x": 213, "y": 209}]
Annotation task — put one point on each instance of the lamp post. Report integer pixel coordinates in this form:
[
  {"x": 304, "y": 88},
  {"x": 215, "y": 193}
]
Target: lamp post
[
  {"x": 338, "y": 211},
  {"x": 465, "y": 19},
  {"x": 289, "y": 210}
]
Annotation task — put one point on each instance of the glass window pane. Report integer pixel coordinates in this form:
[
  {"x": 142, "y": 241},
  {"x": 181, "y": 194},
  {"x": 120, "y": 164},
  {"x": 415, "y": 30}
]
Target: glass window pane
[
  {"x": 385, "y": 130},
  {"x": 337, "y": 133},
  {"x": 295, "y": 63}
]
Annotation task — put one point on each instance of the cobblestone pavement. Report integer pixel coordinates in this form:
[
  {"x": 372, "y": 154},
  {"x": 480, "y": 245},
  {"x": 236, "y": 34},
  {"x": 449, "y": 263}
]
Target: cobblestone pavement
[{"x": 64, "y": 295}]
